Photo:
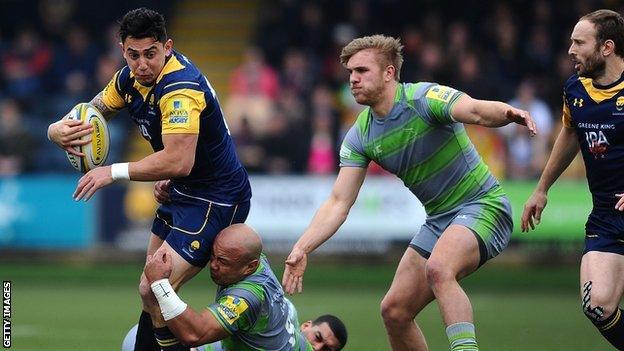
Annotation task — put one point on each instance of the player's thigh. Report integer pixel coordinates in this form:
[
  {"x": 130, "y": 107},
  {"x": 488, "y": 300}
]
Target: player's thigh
[
  {"x": 456, "y": 254},
  {"x": 154, "y": 243},
  {"x": 182, "y": 270},
  {"x": 409, "y": 290},
  {"x": 194, "y": 225},
  {"x": 602, "y": 277}
]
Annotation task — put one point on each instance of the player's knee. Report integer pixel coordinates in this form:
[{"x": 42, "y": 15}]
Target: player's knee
[
  {"x": 393, "y": 313},
  {"x": 437, "y": 272},
  {"x": 597, "y": 304}
]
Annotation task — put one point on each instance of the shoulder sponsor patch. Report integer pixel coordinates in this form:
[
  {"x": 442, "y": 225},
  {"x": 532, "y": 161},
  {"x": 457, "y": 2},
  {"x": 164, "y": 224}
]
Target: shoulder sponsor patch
[
  {"x": 441, "y": 93},
  {"x": 179, "y": 114},
  {"x": 231, "y": 308}
]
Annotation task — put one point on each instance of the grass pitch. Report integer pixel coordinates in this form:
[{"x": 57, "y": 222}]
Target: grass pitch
[{"x": 67, "y": 307}]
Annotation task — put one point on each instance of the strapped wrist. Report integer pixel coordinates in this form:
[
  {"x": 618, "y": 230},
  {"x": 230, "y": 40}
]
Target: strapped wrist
[
  {"x": 120, "y": 171},
  {"x": 170, "y": 303}
]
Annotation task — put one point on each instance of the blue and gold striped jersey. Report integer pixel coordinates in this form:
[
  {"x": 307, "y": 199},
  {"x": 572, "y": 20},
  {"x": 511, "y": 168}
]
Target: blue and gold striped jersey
[
  {"x": 597, "y": 115},
  {"x": 183, "y": 101}
]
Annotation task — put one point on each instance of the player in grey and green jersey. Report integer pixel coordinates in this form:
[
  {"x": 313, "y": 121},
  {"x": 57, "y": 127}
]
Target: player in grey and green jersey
[
  {"x": 415, "y": 131},
  {"x": 250, "y": 312},
  {"x": 431, "y": 153},
  {"x": 257, "y": 315}
]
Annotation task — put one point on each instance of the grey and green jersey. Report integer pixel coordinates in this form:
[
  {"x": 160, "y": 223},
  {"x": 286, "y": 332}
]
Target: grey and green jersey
[
  {"x": 257, "y": 315},
  {"x": 421, "y": 143}
]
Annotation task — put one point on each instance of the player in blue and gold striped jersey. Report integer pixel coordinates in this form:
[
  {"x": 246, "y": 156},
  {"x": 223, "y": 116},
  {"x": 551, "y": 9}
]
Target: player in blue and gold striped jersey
[
  {"x": 202, "y": 185},
  {"x": 593, "y": 121}
]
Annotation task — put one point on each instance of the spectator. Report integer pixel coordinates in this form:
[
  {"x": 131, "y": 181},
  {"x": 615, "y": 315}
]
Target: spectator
[
  {"x": 526, "y": 158},
  {"x": 25, "y": 64},
  {"x": 17, "y": 144}
]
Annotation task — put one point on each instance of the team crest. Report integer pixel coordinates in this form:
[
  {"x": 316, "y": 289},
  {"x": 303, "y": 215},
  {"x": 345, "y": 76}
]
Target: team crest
[
  {"x": 195, "y": 245},
  {"x": 619, "y": 103}
]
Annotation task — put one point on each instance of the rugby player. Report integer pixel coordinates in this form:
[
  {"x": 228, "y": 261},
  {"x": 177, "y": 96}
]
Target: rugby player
[
  {"x": 250, "y": 311},
  {"x": 202, "y": 186},
  {"x": 593, "y": 121},
  {"x": 415, "y": 131}
]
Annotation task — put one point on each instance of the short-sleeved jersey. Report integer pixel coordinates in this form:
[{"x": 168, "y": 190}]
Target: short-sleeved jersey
[
  {"x": 182, "y": 101},
  {"x": 257, "y": 315},
  {"x": 597, "y": 115},
  {"x": 421, "y": 143}
]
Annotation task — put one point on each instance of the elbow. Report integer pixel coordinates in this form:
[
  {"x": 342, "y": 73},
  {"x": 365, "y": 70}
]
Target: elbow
[
  {"x": 180, "y": 168},
  {"x": 341, "y": 210},
  {"x": 190, "y": 339}
]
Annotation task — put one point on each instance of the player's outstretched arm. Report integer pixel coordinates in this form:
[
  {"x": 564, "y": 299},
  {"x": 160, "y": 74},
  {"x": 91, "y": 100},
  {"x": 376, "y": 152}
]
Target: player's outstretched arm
[
  {"x": 490, "y": 114},
  {"x": 325, "y": 223},
  {"x": 565, "y": 149},
  {"x": 66, "y": 134}
]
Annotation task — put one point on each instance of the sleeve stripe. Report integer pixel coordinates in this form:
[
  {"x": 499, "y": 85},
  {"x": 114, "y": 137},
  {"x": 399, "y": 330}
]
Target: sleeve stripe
[
  {"x": 177, "y": 83},
  {"x": 118, "y": 85}
]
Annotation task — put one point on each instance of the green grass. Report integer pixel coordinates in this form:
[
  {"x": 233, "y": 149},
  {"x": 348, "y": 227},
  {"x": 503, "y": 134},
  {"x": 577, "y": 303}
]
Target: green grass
[{"x": 66, "y": 307}]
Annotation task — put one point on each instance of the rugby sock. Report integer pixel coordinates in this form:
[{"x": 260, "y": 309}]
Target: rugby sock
[
  {"x": 168, "y": 341},
  {"x": 145, "y": 340},
  {"x": 462, "y": 337},
  {"x": 612, "y": 328}
]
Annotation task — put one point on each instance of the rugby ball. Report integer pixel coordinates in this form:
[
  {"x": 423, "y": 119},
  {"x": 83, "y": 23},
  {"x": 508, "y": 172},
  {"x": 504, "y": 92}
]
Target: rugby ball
[{"x": 96, "y": 151}]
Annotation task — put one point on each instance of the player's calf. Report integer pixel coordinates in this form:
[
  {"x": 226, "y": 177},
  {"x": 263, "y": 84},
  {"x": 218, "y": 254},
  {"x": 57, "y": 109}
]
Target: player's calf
[{"x": 604, "y": 314}]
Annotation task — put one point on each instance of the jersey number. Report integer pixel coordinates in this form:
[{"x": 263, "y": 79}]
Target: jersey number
[
  {"x": 290, "y": 328},
  {"x": 144, "y": 132}
]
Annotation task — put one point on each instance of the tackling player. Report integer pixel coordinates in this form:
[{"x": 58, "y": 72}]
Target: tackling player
[
  {"x": 593, "y": 121},
  {"x": 415, "y": 130},
  {"x": 250, "y": 311},
  {"x": 202, "y": 186}
]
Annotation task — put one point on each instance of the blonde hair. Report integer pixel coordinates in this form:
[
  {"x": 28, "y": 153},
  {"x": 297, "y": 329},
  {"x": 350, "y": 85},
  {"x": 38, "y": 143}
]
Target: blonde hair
[{"x": 389, "y": 48}]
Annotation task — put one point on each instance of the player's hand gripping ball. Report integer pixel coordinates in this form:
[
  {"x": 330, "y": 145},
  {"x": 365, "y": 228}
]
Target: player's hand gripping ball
[{"x": 95, "y": 152}]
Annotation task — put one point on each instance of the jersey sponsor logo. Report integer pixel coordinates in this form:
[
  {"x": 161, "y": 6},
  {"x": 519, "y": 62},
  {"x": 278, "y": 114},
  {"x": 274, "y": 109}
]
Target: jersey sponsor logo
[
  {"x": 578, "y": 102},
  {"x": 440, "y": 93},
  {"x": 231, "y": 308},
  {"x": 597, "y": 143},
  {"x": 179, "y": 115}
]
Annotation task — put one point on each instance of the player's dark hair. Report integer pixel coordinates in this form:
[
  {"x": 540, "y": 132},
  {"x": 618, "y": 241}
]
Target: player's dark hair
[
  {"x": 609, "y": 26},
  {"x": 143, "y": 23},
  {"x": 337, "y": 327}
]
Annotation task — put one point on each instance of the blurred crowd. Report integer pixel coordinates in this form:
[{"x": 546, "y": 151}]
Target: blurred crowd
[{"x": 289, "y": 103}]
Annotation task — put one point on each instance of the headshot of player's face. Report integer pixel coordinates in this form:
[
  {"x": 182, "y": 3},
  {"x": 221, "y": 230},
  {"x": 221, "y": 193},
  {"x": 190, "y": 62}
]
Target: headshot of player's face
[
  {"x": 146, "y": 57},
  {"x": 366, "y": 77},
  {"x": 226, "y": 266},
  {"x": 321, "y": 337},
  {"x": 585, "y": 51}
]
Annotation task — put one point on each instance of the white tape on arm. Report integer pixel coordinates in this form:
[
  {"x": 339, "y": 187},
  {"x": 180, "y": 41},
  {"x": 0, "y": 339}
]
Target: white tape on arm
[
  {"x": 120, "y": 171},
  {"x": 171, "y": 305}
]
